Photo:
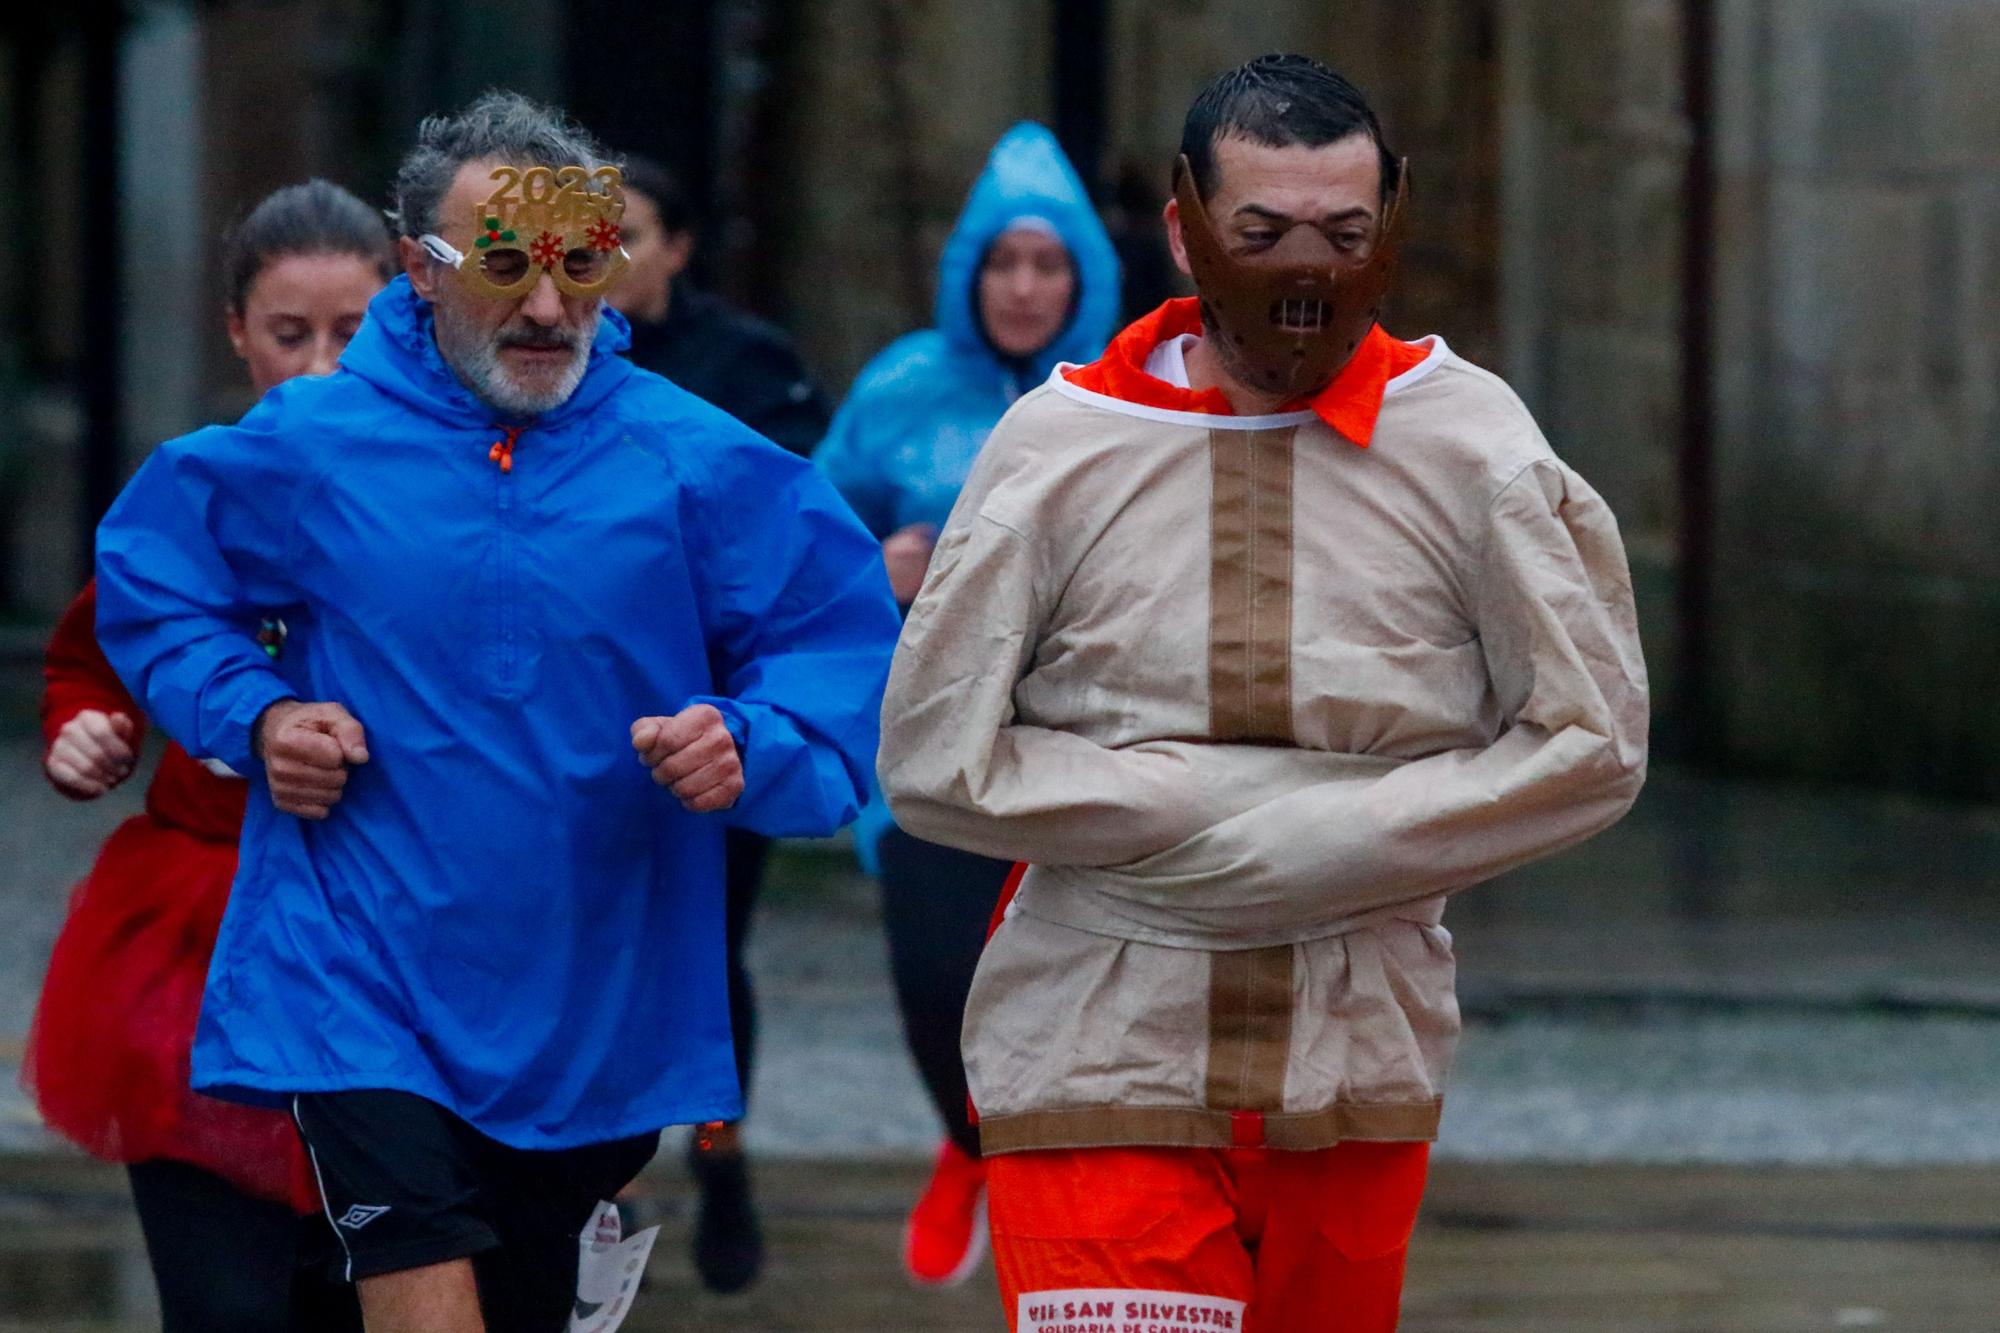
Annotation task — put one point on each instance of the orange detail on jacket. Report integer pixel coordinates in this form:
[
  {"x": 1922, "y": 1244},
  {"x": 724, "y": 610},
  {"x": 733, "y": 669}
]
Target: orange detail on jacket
[{"x": 502, "y": 451}]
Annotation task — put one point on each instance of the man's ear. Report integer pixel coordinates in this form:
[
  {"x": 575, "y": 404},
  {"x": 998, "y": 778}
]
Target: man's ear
[
  {"x": 417, "y": 262},
  {"x": 1176, "y": 241}
]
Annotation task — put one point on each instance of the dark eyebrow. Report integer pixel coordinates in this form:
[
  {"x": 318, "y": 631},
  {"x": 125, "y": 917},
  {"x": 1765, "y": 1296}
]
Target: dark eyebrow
[{"x": 1273, "y": 215}]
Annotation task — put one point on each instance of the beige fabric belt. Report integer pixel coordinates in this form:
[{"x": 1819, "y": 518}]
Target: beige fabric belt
[
  {"x": 1195, "y": 1127},
  {"x": 1075, "y": 896}
]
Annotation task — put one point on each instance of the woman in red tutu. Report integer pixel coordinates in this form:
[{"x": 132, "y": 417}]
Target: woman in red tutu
[{"x": 223, "y": 1192}]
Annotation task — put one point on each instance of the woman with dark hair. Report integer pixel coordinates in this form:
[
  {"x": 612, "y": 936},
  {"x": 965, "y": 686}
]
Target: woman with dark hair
[
  {"x": 1028, "y": 279},
  {"x": 223, "y": 1192}
]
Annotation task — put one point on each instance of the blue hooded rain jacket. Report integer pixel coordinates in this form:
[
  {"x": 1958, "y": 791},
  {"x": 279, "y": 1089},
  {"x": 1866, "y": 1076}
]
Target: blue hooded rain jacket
[
  {"x": 503, "y": 914},
  {"x": 903, "y": 443}
]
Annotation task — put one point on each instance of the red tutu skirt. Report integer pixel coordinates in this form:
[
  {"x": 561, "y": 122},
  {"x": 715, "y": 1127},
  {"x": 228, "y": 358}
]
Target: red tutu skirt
[{"x": 108, "y": 1057}]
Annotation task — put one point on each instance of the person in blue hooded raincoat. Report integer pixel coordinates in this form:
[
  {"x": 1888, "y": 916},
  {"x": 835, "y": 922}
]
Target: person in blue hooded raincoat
[
  {"x": 1028, "y": 280},
  {"x": 472, "y": 943}
]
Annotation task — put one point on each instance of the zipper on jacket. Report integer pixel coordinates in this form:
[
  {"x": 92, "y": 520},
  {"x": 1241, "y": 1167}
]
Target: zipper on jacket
[{"x": 506, "y": 582}]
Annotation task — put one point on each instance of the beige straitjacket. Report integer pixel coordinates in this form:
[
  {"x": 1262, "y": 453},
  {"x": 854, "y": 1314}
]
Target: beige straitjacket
[{"x": 1252, "y": 700}]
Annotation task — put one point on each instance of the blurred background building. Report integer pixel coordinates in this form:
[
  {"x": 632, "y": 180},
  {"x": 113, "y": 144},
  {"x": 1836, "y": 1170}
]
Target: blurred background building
[{"x": 1742, "y": 257}]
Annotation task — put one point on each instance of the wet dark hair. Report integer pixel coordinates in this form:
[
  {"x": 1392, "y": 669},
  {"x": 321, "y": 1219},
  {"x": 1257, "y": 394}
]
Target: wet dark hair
[
  {"x": 655, "y": 180},
  {"x": 316, "y": 218},
  {"x": 1278, "y": 100},
  {"x": 497, "y": 124}
]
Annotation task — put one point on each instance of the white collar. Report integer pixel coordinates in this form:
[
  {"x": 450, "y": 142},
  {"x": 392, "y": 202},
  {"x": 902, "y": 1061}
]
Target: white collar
[{"x": 1168, "y": 361}]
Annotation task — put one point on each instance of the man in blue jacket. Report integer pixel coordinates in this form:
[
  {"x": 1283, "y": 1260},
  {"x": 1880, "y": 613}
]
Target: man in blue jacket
[{"x": 471, "y": 944}]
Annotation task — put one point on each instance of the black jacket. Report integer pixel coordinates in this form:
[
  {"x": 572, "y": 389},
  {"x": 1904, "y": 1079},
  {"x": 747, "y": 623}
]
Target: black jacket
[{"x": 746, "y": 367}]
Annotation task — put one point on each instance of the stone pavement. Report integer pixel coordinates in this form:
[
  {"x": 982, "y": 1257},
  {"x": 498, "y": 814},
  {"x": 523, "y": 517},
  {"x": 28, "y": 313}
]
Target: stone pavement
[{"x": 1501, "y": 1248}]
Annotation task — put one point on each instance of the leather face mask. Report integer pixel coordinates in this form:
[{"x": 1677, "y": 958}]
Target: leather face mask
[{"x": 1287, "y": 320}]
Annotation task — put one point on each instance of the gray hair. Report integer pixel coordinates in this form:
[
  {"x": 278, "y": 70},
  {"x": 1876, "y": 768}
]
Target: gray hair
[{"x": 497, "y": 124}]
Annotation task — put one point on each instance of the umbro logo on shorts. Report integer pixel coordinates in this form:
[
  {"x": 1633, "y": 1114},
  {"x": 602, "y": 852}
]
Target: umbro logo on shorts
[{"x": 360, "y": 1215}]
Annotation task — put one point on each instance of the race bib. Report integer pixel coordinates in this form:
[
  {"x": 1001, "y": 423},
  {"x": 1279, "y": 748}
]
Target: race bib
[{"x": 1112, "y": 1310}]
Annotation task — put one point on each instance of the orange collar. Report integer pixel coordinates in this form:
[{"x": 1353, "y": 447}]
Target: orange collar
[{"x": 1349, "y": 404}]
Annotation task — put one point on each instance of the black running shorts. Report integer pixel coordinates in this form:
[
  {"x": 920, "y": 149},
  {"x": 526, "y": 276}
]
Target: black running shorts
[{"x": 407, "y": 1184}]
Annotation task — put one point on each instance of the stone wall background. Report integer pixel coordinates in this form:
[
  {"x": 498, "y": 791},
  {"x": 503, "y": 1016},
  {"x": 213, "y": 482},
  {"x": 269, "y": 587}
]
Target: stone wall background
[
  {"x": 1595, "y": 149},
  {"x": 1857, "y": 354},
  {"x": 1859, "y": 456}
]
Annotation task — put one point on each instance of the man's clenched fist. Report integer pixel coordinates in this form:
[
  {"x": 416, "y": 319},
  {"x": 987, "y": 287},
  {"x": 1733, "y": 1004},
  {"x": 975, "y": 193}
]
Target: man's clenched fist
[
  {"x": 693, "y": 755},
  {"x": 307, "y": 750},
  {"x": 92, "y": 753}
]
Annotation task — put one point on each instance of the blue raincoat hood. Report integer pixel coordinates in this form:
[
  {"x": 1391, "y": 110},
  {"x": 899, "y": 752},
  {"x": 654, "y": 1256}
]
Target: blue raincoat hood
[
  {"x": 902, "y": 444},
  {"x": 1027, "y": 175},
  {"x": 396, "y": 350}
]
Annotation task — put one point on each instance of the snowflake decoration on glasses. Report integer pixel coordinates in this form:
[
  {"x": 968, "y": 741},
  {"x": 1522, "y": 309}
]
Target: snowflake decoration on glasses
[
  {"x": 603, "y": 234},
  {"x": 546, "y": 249}
]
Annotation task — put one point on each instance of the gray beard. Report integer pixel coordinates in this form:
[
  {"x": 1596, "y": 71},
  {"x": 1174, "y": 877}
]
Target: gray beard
[{"x": 475, "y": 359}]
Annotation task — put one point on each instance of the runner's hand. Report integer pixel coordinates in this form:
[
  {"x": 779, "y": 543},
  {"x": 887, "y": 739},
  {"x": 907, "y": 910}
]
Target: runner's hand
[
  {"x": 693, "y": 755},
  {"x": 307, "y": 750},
  {"x": 92, "y": 753},
  {"x": 907, "y": 553}
]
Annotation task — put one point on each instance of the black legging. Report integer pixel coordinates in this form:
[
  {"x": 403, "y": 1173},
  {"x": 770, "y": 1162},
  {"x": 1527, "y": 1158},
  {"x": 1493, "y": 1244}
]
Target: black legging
[
  {"x": 936, "y": 904},
  {"x": 744, "y": 855},
  {"x": 229, "y": 1263}
]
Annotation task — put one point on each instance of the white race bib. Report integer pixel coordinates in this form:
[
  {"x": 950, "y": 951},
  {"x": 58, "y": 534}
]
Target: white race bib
[{"x": 1117, "y": 1310}]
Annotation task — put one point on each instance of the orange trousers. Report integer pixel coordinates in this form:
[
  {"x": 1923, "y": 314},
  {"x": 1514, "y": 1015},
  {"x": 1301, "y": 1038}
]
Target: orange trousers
[{"x": 1195, "y": 1240}]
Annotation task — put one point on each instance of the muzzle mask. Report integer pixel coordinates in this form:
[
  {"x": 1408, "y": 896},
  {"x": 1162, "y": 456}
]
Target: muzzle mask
[
  {"x": 562, "y": 222},
  {"x": 1289, "y": 319}
]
